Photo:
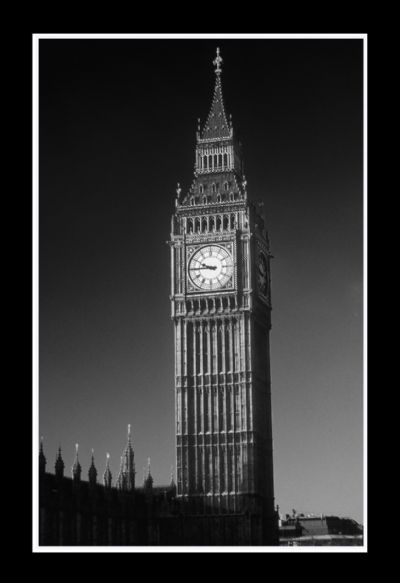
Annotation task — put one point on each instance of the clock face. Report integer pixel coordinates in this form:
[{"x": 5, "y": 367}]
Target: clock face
[
  {"x": 262, "y": 276},
  {"x": 210, "y": 267}
]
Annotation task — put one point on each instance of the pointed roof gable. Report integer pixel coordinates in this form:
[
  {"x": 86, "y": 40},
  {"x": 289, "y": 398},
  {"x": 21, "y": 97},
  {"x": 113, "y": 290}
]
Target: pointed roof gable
[{"x": 217, "y": 126}]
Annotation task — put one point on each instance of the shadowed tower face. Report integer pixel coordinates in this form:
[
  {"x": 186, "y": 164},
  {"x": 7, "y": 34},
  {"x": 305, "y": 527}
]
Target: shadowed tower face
[{"x": 221, "y": 309}]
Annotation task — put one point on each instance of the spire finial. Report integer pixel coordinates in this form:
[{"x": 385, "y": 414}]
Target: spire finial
[
  {"x": 217, "y": 62},
  {"x": 148, "y": 466},
  {"x": 178, "y": 190},
  {"x": 129, "y": 432}
]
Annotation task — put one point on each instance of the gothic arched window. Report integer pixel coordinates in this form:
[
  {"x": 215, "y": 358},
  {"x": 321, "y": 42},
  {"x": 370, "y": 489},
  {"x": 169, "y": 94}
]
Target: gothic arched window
[
  {"x": 201, "y": 189},
  {"x": 225, "y": 160},
  {"x": 225, "y": 186},
  {"x": 205, "y": 162},
  {"x": 218, "y": 223},
  {"x": 213, "y": 188}
]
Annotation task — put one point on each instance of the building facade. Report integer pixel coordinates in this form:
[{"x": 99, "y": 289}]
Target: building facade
[
  {"x": 221, "y": 310},
  {"x": 92, "y": 512},
  {"x": 301, "y": 530}
]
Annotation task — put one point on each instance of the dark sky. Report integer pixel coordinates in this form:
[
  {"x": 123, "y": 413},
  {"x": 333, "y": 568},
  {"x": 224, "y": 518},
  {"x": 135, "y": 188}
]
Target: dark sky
[{"x": 117, "y": 123}]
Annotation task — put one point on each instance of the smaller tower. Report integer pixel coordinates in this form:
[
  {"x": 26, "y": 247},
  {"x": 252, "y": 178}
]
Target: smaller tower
[
  {"x": 42, "y": 459},
  {"x": 120, "y": 484},
  {"x": 126, "y": 477},
  {"x": 92, "y": 472},
  {"x": 59, "y": 465},
  {"x": 107, "y": 476},
  {"x": 76, "y": 468},
  {"x": 148, "y": 483}
]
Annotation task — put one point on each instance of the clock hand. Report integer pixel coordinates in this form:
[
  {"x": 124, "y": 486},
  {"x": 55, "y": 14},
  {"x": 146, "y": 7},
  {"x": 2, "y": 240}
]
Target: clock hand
[{"x": 203, "y": 267}]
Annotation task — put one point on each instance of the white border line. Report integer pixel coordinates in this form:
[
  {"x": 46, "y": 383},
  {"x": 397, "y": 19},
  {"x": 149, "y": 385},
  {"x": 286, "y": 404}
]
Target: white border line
[
  {"x": 35, "y": 295},
  {"x": 201, "y": 35},
  {"x": 35, "y": 289},
  {"x": 365, "y": 294}
]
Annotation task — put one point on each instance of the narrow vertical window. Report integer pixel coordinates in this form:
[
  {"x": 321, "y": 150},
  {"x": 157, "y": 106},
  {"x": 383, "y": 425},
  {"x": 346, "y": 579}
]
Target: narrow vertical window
[{"x": 222, "y": 469}]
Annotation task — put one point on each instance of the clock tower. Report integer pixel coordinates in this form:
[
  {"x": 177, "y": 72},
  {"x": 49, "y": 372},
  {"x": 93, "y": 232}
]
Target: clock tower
[{"x": 221, "y": 309}]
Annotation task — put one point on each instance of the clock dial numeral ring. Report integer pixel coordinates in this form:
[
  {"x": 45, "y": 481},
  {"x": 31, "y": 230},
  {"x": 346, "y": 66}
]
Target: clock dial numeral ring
[{"x": 210, "y": 267}]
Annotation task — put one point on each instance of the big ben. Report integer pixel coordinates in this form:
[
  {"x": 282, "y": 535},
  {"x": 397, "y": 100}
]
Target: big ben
[{"x": 221, "y": 310}]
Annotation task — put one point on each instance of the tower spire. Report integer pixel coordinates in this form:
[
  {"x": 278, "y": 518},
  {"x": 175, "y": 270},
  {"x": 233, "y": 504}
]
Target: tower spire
[
  {"x": 148, "y": 483},
  {"x": 42, "y": 459},
  {"x": 107, "y": 476},
  {"x": 120, "y": 480},
  {"x": 76, "y": 468},
  {"x": 127, "y": 471},
  {"x": 92, "y": 471},
  {"x": 59, "y": 465},
  {"x": 217, "y": 126}
]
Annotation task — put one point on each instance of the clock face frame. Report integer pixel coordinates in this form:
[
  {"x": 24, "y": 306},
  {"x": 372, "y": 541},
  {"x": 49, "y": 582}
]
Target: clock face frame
[
  {"x": 210, "y": 268},
  {"x": 262, "y": 274}
]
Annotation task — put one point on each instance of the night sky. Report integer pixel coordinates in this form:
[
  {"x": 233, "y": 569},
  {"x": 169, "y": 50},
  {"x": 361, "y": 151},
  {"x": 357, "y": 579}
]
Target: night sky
[{"x": 117, "y": 123}]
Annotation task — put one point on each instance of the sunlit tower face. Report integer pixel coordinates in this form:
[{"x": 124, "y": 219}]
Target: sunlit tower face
[{"x": 220, "y": 305}]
